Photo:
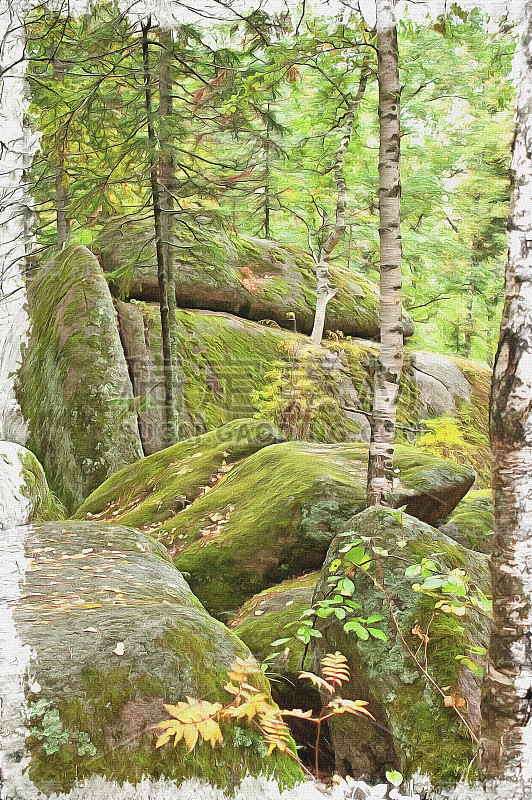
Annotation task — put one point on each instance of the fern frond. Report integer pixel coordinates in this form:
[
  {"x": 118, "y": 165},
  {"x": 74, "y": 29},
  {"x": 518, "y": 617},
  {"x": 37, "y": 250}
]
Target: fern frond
[
  {"x": 276, "y": 731},
  {"x": 339, "y": 705},
  {"x": 334, "y": 668},
  {"x": 320, "y": 683}
]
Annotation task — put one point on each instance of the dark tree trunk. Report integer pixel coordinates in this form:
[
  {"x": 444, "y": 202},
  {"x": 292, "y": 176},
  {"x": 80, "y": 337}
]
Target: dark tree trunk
[
  {"x": 162, "y": 275},
  {"x": 167, "y": 189}
]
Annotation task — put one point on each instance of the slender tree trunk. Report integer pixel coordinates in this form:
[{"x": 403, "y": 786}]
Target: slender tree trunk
[
  {"x": 61, "y": 196},
  {"x": 267, "y": 187},
  {"x": 167, "y": 187},
  {"x": 325, "y": 291},
  {"x": 390, "y": 362},
  {"x": 162, "y": 277},
  {"x": 507, "y": 701}
]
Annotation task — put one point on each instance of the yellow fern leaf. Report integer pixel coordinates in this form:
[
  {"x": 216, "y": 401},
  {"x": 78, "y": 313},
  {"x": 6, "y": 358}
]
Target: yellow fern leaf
[
  {"x": 297, "y": 712},
  {"x": 192, "y": 719},
  {"x": 241, "y": 668},
  {"x": 339, "y": 705},
  {"x": 190, "y": 735},
  {"x": 334, "y": 668},
  {"x": 276, "y": 731},
  {"x": 254, "y": 705},
  {"x": 317, "y": 681}
]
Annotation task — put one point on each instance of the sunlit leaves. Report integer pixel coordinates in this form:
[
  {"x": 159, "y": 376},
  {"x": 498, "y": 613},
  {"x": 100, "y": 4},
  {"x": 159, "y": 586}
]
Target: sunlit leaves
[{"x": 191, "y": 719}]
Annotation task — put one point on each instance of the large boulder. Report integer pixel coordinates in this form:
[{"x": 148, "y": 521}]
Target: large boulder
[
  {"x": 274, "y": 515},
  {"x": 253, "y": 278},
  {"x": 471, "y": 523},
  {"x": 155, "y": 489},
  {"x": 24, "y": 493},
  {"x": 274, "y": 614},
  {"x": 74, "y": 387},
  {"x": 233, "y": 368},
  {"x": 102, "y": 631},
  {"x": 415, "y": 728}
]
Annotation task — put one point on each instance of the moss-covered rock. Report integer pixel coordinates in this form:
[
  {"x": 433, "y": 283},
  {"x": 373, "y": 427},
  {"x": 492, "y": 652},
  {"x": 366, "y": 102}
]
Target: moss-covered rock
[
  {"x": 73, "y": 387},
  {"x": 92, "y": 704},
  {"x": 24, "y": 493},
  {"x": 155, "y": 489},
  {"x": 233, "y": 368},
  {"x": 275, "y": 614},
  {"x": 275, "y": 514},
  {"x": 415, "y": 730},
  {"x": 471, "y": 523},
  {"x": 253, "y": 278}
]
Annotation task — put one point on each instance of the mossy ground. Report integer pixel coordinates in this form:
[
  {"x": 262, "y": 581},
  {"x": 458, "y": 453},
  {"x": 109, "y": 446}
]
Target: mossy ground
[
  {"x": 73, "y": 386},
  {"x": 425, "y": 735},
  {"x": 275, "y": 514},
  {"x": 154, "y": 489},
  {"x": 94, "y": 712}
]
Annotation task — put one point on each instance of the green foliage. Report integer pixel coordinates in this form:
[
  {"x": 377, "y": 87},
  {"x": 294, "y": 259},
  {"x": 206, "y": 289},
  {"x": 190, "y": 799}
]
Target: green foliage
[
  {"x": 460, "y": 442},
  {"x": 300, "y": 397}
]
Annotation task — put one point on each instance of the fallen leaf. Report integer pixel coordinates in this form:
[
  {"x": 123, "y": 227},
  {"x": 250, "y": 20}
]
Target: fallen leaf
[{"x": 119, "y": 649}]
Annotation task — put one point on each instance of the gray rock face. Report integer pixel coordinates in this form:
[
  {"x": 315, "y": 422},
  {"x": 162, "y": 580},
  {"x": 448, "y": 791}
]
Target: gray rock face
[
  {"x": 113, "y": 632},
  {"x": 440, "y": 382}
]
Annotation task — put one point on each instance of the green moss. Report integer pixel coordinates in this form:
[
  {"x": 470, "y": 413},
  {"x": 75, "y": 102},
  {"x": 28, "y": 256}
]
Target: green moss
[
  {"x": 275, "y": 614},
  {"x": 250, "y": 277},
  {"x": 46, "y": 505},
  {"x": 72, "y": 375},
  {"x": 471, "y": 523},
  {"x": 149, "y": 492},
  {"x": 427, "y": 736},
  {"x": 95, "y": 711},
  {"x": 275, "y": 514}
]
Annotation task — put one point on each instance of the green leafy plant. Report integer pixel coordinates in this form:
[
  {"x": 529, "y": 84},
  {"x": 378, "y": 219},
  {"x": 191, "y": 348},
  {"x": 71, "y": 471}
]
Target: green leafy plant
[{"x": 300, "y": 397}]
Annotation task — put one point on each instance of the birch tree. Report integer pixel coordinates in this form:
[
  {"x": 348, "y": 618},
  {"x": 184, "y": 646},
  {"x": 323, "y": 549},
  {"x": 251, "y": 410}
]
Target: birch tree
[
  {"x": 507, "y": 703},
  {"x": 325, "y": 291},
  {"x": 390, "y": 361}
]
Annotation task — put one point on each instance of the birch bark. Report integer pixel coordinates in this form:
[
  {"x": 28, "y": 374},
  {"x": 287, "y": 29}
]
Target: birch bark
[
  {"x": 325, "y": 291},
  {"x": 390, "y": 362},
  {"x": 507, "y": 701}
]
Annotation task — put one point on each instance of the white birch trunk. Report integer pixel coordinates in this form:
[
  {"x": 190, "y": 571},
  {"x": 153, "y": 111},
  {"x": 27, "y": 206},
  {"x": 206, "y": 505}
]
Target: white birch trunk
[
  {"x": 507, "y": 703},
  {"x": 390, "y": 362},
  {"x": 325, "y": 291}
]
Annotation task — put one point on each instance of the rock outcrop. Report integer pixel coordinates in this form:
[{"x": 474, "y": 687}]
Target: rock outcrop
[
  {"x": 74, "y": 387},
  {"x": 152, "y": 491},
  {"x": 233, "y": 368},
  {"x": 114, "y": 632},
  {"x": 256, "y": 279},
  {"x": 269, "y": 512},
  {"x": 417, "y": 727}
]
